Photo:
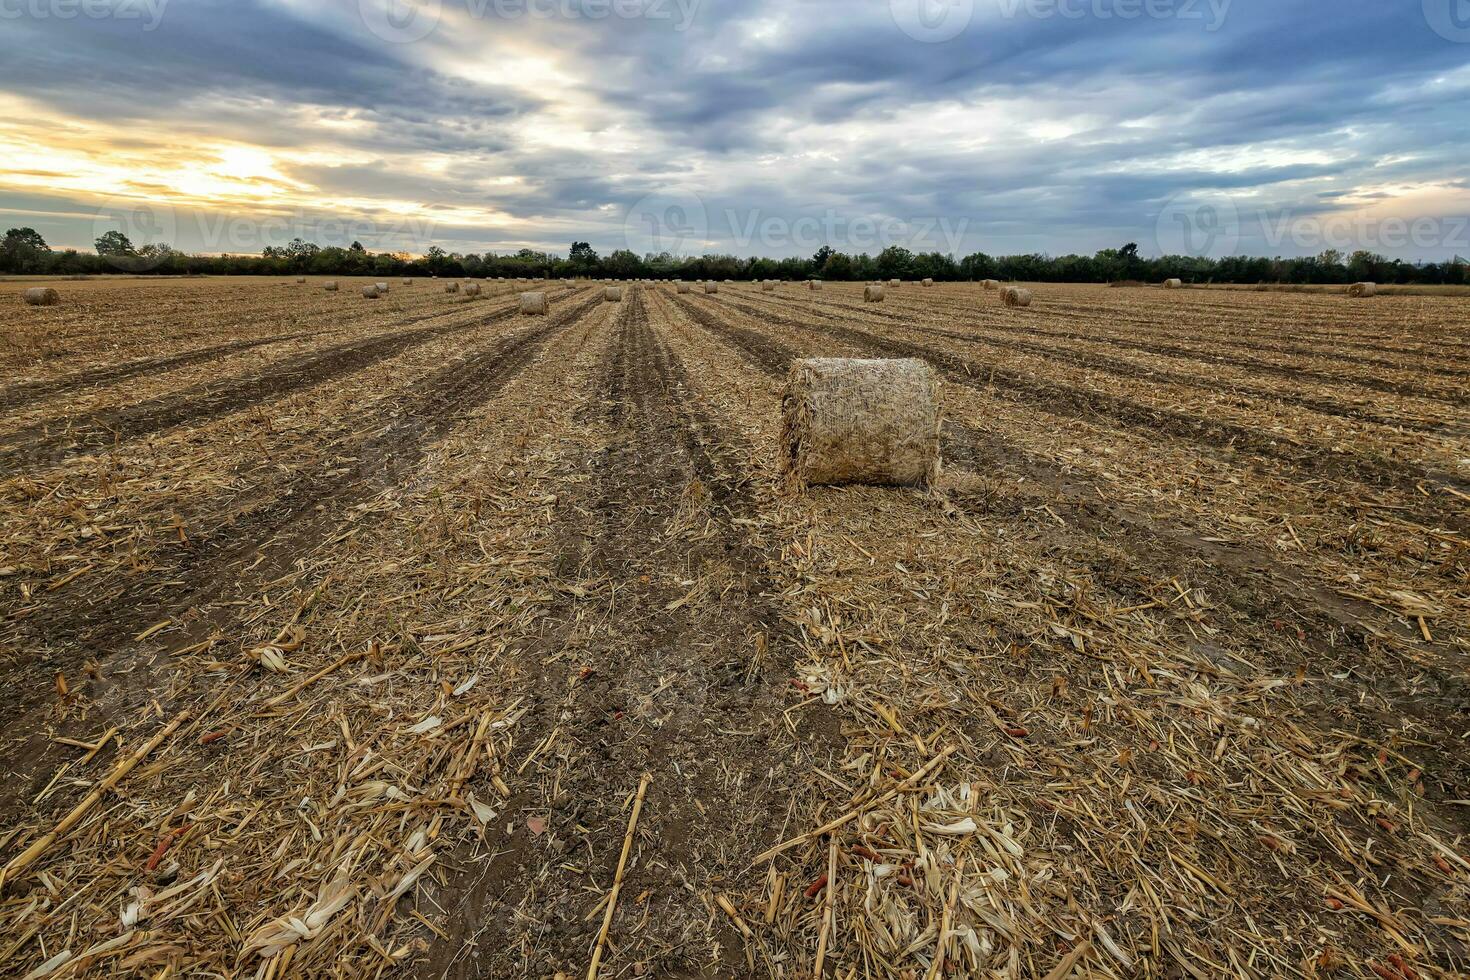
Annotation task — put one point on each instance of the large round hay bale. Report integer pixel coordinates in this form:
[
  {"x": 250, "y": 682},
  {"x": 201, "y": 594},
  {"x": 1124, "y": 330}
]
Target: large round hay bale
[
  {"x": 451, "y": 287},
  {"x": 1173, "y": 283},
  {"x": 300, "y": 280},
  {"x": 408, "y": 282},
  {"x": 370, "y": 292},
  {"x": 1358, "y": 290},
  {"x": 895, "y": 283},
  {"x": 990, "y": 285},
  {"x": 768, "y": 286},
  {"x": 927, "y": 283},
  {"x": 683, "y": 287},
  {"x": 330, "y": 285},
  {"x": 612, "y": 294},
  {"x": 383, "y": 288},
  {"x": 872, "y": 294},
  {"x": 472, "y": 289},
  {"x": 1016, "y": 296},
  {"x": 41, "y": 296},
  {"x": 815, "y": 285},
  {"x": 533, "y": 304},
  {"x": 711, "y": 287},
  {"x": 860, "y": 421}
]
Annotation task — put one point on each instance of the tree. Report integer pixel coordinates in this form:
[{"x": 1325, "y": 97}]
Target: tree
[
  {"x": 356, "y": 247},
  {"x": 895, "y": 262},
  {"x": 21, "y": 250},
  {"x": 582, "y": 256},
  {"x": 819, "y": 260},
  {"x": 115, "y": 243}
]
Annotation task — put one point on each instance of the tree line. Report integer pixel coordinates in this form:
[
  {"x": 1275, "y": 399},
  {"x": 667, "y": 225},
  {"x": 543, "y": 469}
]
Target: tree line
[{"x": 23, "y": 251}]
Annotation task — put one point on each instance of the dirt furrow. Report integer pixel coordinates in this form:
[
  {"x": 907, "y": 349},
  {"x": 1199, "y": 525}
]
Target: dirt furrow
[
  {"x": 49, "y": 442},
  {"x": 677, "y": 661},
  {"x": 1307, "y": 461},
  {"x": 55, "y": 635},
  {"x": 1203, "y": 380}
]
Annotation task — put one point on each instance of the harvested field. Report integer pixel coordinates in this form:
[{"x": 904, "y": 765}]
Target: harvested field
[{"x": 336, "y": 638}]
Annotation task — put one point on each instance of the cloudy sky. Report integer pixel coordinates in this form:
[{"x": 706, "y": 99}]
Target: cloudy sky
[{"x": 750, "y": 126}]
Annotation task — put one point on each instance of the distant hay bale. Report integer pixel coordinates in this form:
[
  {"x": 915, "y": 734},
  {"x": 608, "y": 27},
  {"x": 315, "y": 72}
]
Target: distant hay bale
[
  {"x": 815, "y": 285},
  {"x": 451, "y": 287},
  {"x": 370, "y": 292},
  {"x": 872, "y": 294},
  {"x": 408, "y": 282},
  {"x": 1173, "y": 283},
  {"x": 860, "y": 421},
  {"x": 895, "y": 283},
  {"x": 612, "y": 294},
  {"x": 768, "y": 286},
  {"x": 1016, "y": 296},
  {"x": 683, "y": 287},
  {"x": 41, "y": 296},
  {"x": 1359, "y": 290},
  {"x": 472, "y": 289},
  {"x": 330, "y": 285},
  {"x": 711, "y": 287},
  {"x": 300, "y": 280},
  {"x": 383, "y": 288},
  {"x": 533, "y": 304},
  {"x": 927, "y": 283},
  {"x": 991, "y": 285}
]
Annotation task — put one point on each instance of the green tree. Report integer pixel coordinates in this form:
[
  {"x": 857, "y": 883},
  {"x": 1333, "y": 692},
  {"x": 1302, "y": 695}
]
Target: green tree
[
  {"x": 895, "y": 262},
  {"x": 22, "y": 250},
  {"x": 115, "y": 243},
  {"x": 582, "y": 256}
]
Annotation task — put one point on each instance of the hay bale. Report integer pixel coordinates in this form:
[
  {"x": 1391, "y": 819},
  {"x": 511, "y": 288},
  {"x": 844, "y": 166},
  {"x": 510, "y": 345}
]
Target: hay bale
[
  {"x": 451, "y": 287},
  {"x": 300, "y": 280},
  {"x": 815, "y": 285},
  {"x": 768, "y": 286},
  {"x": 1016, "y": 296},
  {"x": 613, "y": 294},
  {"x": 895, "y": 283},
  {"x": 330, "y": 285},
  {"x": 533, "y": 304},
  {"x": 383, "y": 288},
  {"x": 927, "y": 283},
  {"x": 41, "y": 296},
  {"x": 472, "y": 289},
  {"x": 860, "y": 421},
  {"x": 683, "y": 288},
  {"x": 711, "y": 287},
  {"x": 1359, "y": 290},
  {"x": 408, "y": 282},
  {"x": 1173, "y": 283},
  {"x": 370, "y": 292},
  {"x": 991, "y": 285},
  {"x": 872, "y": 294}
]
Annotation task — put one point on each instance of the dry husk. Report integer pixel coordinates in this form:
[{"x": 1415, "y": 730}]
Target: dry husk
[{"x": 846, "y": 420}]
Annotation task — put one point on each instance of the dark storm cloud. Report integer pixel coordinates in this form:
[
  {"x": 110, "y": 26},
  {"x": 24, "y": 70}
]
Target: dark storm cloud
[{"x": 1044, "y": 126}]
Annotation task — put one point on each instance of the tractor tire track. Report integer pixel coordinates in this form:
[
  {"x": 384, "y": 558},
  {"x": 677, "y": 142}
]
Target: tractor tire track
[
  {"x": 50, "y": 442},
  {"x": 257, "y": 547},
  {"x": 1306, "y": 461},
  {"x": 650, "y": 681}
]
